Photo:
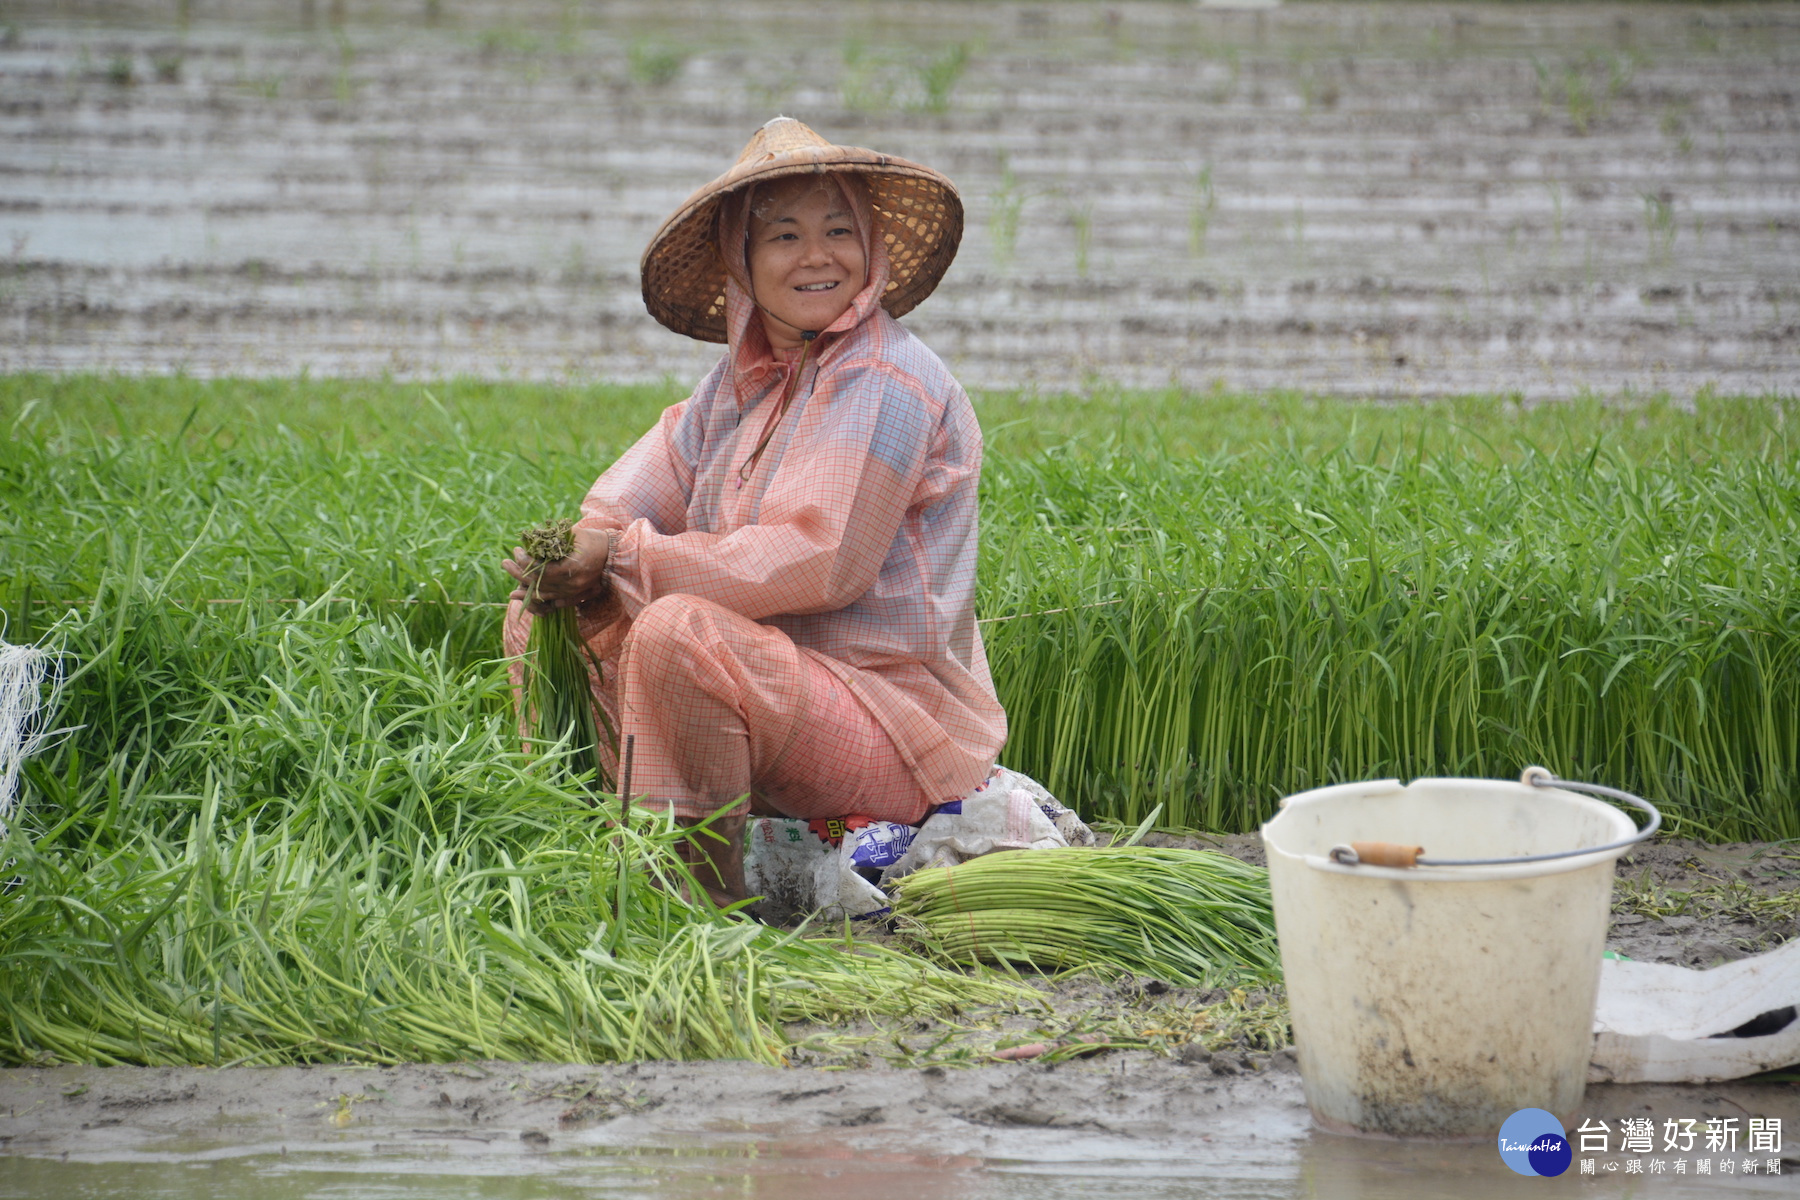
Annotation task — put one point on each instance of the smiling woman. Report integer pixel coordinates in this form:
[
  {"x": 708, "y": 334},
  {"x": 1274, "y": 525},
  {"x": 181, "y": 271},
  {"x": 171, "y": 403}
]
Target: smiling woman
[{"x": 777, "y": 581}]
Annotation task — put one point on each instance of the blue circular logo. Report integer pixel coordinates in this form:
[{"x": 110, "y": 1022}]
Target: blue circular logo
[{"x": 1532, "y": 1142}]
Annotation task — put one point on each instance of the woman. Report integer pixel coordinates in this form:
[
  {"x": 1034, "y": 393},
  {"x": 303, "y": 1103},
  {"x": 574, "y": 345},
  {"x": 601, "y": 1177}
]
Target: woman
[{"x": 779, "y": 577}]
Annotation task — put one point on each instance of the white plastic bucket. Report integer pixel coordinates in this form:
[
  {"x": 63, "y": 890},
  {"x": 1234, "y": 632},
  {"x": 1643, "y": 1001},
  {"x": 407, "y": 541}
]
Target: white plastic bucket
[{"x": 1435, "y": 1001}]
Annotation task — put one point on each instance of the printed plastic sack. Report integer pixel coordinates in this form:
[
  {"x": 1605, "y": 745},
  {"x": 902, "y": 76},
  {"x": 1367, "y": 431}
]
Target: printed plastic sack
[
  {"x": 829, "y": 866},
  {"x": 838, "y": 867}
]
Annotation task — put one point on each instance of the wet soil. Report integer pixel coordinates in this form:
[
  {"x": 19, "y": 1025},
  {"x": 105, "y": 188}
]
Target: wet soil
[{"x": 1354, "y": 199}]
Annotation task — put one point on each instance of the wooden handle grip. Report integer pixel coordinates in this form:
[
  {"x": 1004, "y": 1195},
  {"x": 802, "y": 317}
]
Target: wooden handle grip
[{"x": 1387, "y": 854}]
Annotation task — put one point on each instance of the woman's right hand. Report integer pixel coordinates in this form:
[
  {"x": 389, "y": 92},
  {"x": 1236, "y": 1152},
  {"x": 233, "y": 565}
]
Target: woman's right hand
[{"x": 573, "y": 580}]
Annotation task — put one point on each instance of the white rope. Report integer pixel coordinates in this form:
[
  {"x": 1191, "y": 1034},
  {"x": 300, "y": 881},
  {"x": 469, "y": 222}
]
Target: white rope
[{"x": 23, "y": 671}]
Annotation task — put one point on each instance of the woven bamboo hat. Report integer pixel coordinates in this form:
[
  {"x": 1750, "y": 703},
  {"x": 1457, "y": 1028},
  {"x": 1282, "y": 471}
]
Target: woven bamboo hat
[{"x": 918, "y": 215}]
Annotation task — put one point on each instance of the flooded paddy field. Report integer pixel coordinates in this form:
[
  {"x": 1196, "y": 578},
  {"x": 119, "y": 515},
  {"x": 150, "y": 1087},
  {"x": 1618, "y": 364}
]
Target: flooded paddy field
[{"x": 1362, "y": 200}]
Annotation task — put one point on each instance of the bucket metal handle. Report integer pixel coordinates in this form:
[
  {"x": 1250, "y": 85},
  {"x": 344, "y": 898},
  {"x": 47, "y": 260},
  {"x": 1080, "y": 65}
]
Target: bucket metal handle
[{"x": 1389, "y": 854}]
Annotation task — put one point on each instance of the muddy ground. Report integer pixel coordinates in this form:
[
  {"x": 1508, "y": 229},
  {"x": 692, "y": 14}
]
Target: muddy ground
[{"x": 1355, "y": 199}]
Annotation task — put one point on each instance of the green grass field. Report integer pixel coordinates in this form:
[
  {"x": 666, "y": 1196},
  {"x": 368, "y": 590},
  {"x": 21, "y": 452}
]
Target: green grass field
[{"x": 292, "y": 820}]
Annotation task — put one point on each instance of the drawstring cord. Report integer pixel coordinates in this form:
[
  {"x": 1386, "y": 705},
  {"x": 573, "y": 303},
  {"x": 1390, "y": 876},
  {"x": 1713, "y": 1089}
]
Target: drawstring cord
[{"x": 787, "y": 398}]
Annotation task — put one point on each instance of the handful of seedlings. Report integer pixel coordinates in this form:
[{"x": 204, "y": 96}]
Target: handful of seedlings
[
  {"x": 1190, "y": 917},
  {"x": 559, "y": 701}
]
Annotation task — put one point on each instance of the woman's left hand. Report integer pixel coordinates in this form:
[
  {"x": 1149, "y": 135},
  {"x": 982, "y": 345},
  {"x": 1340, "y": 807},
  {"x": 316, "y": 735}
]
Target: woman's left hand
[{"x": 579, "y": 577}]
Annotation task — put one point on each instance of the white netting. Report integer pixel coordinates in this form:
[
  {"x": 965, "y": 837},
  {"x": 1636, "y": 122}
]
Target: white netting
[{"x": 23, "y": 705}]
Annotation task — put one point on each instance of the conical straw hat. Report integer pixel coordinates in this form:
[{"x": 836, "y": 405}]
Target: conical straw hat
[{"x": 917, "y": 214}]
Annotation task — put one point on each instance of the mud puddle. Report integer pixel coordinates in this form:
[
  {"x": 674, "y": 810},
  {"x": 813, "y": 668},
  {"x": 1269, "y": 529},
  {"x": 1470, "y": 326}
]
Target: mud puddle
[
  {"x": 1355, "y": 199},
  {"x": 1128, "y": 1126}
]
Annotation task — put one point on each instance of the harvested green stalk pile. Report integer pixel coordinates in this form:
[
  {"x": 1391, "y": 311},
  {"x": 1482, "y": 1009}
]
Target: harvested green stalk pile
[
  {"x": 227, "y": 945},
  {"x": 340, "y": 852},
  {"x": 1184, "y": 916}
]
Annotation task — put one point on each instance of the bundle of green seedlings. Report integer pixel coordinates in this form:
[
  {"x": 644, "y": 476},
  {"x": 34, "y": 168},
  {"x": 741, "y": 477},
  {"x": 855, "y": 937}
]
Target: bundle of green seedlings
[
  {"x": 560, "y": 707},
  {"x": 1189, "y": 917}
]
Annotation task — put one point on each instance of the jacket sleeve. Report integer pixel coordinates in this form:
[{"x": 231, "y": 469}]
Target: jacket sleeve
[
  {"x": 827, "y": 522},
  {"x": 651, "y": 482}
]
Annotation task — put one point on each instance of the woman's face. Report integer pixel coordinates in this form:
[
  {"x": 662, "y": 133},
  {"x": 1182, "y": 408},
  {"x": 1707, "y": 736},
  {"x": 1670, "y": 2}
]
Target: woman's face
[{"x": 806, "y": 260}]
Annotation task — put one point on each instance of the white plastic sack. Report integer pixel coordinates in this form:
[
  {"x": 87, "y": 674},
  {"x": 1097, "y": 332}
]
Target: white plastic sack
[
  {"x": 839, "y": 867},
  {"x": 1008, "y": 812},
  {"x": 23, "y": 671},
  {"x": 1655, "y": 1023}
]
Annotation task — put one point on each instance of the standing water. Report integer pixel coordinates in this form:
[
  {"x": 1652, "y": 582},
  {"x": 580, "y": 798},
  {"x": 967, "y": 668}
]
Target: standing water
[{"x": 1125, "y": 1125}]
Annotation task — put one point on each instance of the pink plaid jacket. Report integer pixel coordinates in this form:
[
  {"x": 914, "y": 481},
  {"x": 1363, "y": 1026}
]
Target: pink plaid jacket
[{"x": 854, "y": 533}]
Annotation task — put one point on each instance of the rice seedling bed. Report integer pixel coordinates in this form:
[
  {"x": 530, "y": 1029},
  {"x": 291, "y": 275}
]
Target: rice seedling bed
[
  {"x": 1213, "y": 629},
  {"x": 1204, "y": 602},
  {"x": 292, "y": 820}
]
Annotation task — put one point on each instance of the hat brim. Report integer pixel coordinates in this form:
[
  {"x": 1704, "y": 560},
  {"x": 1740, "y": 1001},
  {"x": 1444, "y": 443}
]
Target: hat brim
[{"x": 918, "y": 216}]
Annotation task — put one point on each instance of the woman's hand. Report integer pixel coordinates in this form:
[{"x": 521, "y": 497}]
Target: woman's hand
[{"x": 579, "y": 577}]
